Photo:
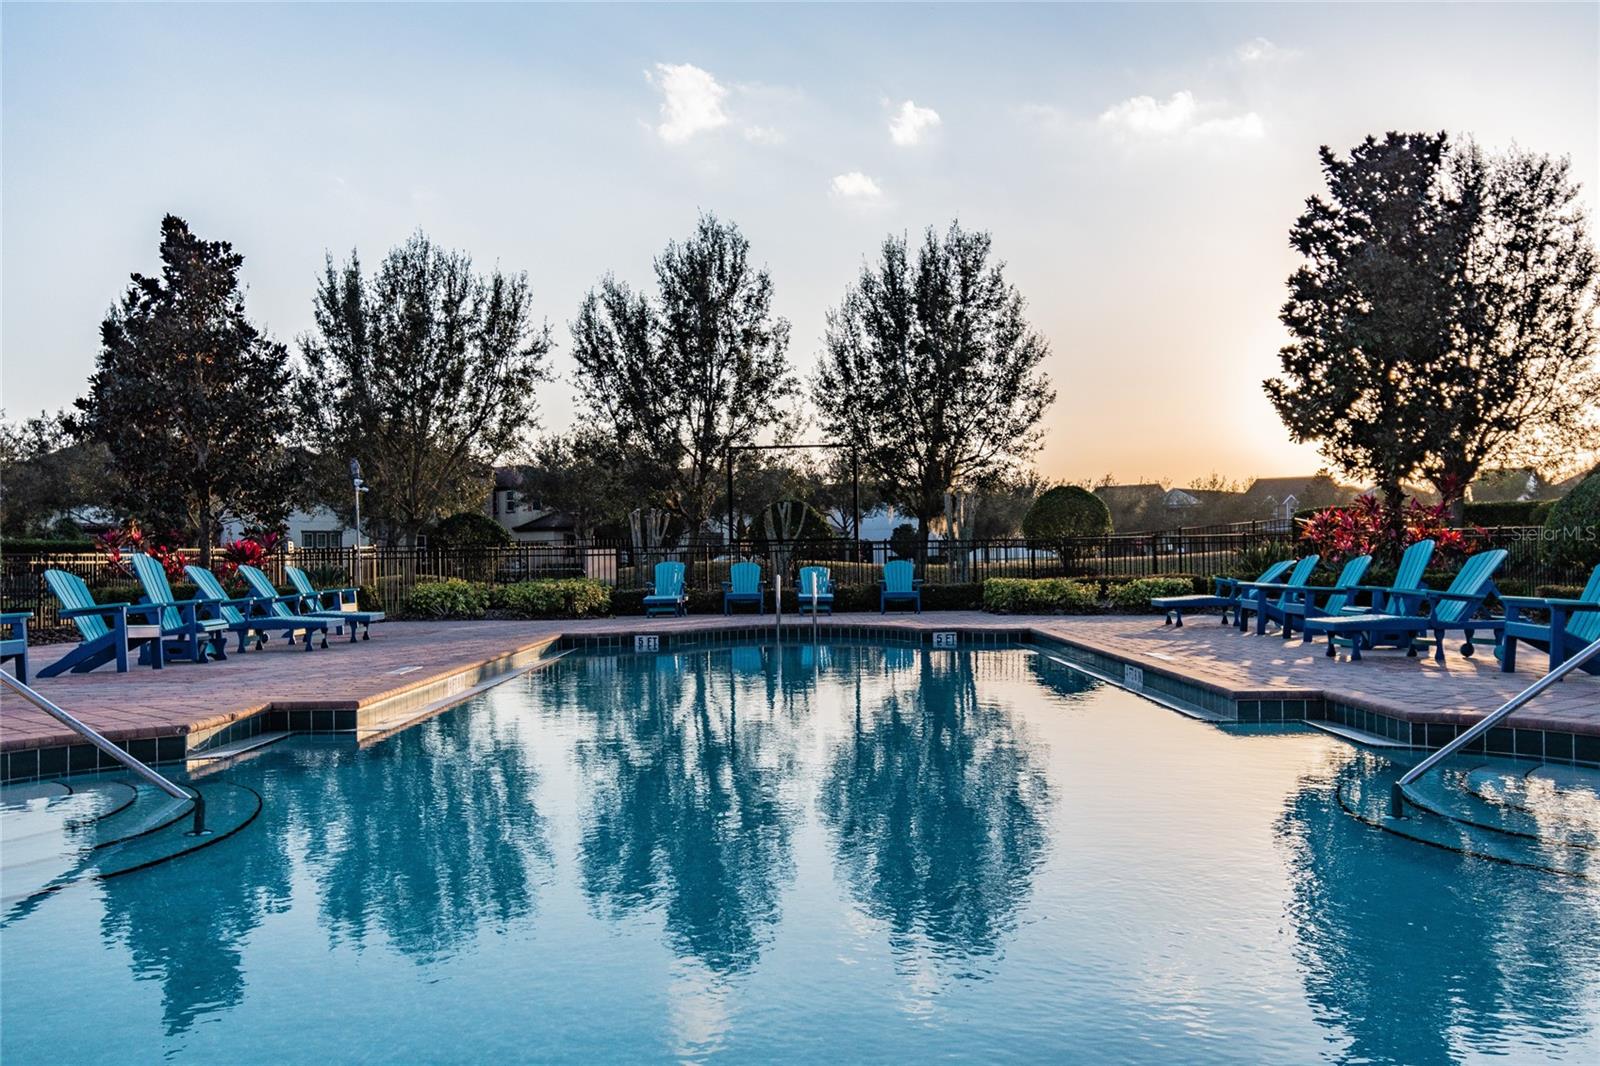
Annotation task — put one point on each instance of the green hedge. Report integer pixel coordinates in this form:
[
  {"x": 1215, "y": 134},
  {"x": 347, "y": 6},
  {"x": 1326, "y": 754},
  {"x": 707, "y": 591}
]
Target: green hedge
[
  {"x": 1134, "y": 596},
  {"x": 1048, "y": 595},
  {"x": 1508, "y": 513},
  {"x": 43, "y": 546},
  {"x": 447, "y": 599},
  {"x": 560, "y": 598}
]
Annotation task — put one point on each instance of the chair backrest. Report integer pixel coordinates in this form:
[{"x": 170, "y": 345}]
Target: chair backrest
[
  {"x": 1354, "y": 570},
  {"x": 1475, "y": 578},
  {"x": 260, "y": 586},
  {"x": 302, "y": 584},
  {"x": 1275, "y": 572},
  {"x": 211, "y": 589},
  {"x": 744, "y": 578},
  {"x": 669, "y": 579},
  {"x": 1300, "y": 575},
  {"x": 898, "y": 575},
  {"x": 1408, "y": 578},
  {"x": 70, "y": 591},
  {"x": 1585, "y": 625},
  {"x": 819, "y": 578},
  {"x": 153, "y": 577}
]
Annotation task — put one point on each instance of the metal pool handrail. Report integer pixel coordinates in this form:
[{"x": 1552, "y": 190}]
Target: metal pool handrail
[
  {"x": 139, "y": 768},
  {"x": 1488, "y": 722}
]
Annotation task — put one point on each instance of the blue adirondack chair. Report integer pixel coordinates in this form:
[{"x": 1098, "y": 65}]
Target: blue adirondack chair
[
  {"x": 1403, "y": 596},
  {"x": 276, "y": 607},
  {"x": 1436, "y": 614},
  {"x": 1225, "y": 595},
  {"x": 15, "y": 647},
  {"x": 744, "y": 585},
  {"x": 1573, "y": 624},
  {"x": 104, "y": 632},
  {"x": 183, "y": 631},
  {"x": 338, "y": 604},
  {"x": 900, "y": 585},
  {"x": 1316, "y": 601},
  {"x": 815, "y": 590},
  {"x": 249, "y": 615},
  {"x": 1267, "y": 598},
  {"x": 669, "y": 596}
]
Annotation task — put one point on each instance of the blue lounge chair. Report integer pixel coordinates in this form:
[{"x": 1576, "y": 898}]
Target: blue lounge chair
[
  {"x": 1267, "y": 598},
  {"x": 815, "y": 590},
  {"x": 339, "y": 604},
  {"x": 669, "y": 596},
  {"x": 15, "y": 647},
  {"x": 1225, "y": 596},
  {"x": 251, "y": 615},
  {"x": 183, "y": 631},
  {"x": 104, "y": 632},
  {"x": 1439, "y": 612},
  {"x": 744, "y": 585},
  {"x": 277, "y": 609},
  {"x": 1403, "y": 596},
  {"x": 900, "y": 585},
  {"x": 1333, "y": 600},
  {"x": 1573, "y": 624}
]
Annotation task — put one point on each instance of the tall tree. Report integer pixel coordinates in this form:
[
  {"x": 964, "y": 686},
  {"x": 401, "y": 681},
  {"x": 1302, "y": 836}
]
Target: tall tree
[
  {"x": 1520, "y": 384},
  {"x": 1445, "y": 318},
  {"x": 425, "y": 373},
  {"x": 932, "y": 371},
  {"x": 190, "y": 399},
  {"x": 1365, "y": 311},
  {"x": 579, "y": 472},
  {"x": 677, "y": 379}
]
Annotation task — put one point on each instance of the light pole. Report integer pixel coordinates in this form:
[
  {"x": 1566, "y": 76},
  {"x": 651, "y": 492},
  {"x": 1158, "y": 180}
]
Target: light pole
[{"x": 359, "y": 486}]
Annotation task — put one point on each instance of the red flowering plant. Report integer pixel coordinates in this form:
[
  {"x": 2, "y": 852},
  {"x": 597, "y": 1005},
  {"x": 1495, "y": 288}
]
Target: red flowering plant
[
  {"x": 118, "y": 544},
  {"x": 250, "y": 550},
  {"x": 1337, "y": 533}
]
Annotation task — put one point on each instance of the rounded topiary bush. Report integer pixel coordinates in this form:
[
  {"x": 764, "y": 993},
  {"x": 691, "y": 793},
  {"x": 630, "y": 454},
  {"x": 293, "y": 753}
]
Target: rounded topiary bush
[
  {"x": 1066, "y": 511},
  {"x": 1572, "y": 532}
]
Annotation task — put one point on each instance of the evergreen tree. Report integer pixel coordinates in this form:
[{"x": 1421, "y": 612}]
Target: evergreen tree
[{"x": 191, "y": 400}]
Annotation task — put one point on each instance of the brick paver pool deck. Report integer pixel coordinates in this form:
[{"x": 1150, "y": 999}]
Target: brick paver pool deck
[{"x": 187, "y": 698}]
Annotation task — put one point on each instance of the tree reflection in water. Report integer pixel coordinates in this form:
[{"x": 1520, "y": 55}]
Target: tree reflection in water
[
  {"x": 1422, "y": 956},
  {"x": 937, "y": 803},
  {"x": 684, "y": 771}
]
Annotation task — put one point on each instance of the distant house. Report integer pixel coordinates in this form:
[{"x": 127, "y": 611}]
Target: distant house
[
  {"x": 1135, "y": 508},
  {"x": 525, "y": 516},
  {"x": 1509, "y": 484},
  {"x": 1276, "y": 499}
]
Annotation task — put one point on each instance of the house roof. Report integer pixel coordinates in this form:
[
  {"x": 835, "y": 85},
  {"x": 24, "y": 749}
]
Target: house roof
[
  {"x": 507, "y": 477},
  {"x": 1279, "y": 488},
  {"x": 550, "y": 521},
  {"x": 1129, "y": 494}
]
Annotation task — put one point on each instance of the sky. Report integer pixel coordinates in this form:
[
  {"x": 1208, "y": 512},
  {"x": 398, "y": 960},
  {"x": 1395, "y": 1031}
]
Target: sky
[{"x": 1138, "y": 166}]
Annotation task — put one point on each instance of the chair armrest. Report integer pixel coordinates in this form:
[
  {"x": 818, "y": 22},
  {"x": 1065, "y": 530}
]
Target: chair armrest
[
  {"x": 147, "y": 609},
  {"x": 727, "y": 586},
  {"x": 8, "y": 618},
  {"x": 99, "y": 608},
  {"x": 916, "y": 583},
  {"x": 1433, "y": 596},
  {"x": 188, "y": 603}
]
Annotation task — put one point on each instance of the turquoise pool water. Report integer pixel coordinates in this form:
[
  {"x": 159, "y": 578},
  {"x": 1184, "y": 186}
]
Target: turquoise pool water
[{"x": 837, "y": 853}]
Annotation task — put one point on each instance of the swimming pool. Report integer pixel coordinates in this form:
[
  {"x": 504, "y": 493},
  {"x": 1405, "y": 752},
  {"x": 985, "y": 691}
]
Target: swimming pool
[{"x": 837, "y": 852}]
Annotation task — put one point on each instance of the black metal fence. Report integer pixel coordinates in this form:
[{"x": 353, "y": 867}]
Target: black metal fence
[{"x": 393, "y": 572}]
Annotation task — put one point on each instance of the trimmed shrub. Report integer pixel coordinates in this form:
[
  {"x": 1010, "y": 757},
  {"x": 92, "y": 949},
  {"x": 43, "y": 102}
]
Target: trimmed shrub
[
  {"x": 44, "y": 546},
  {"x": 468, "y": 529},
  {"x": 1508, "y": 513},
  {"x": 1572, "y": 531},
  {"x": 1134, "y": 597},
  {"x": 904, "y": 541},
  {"x": 562, "y": 598},
  {"x": 1048, "y": 595},
  {"x": 447, "y": 599},
  {"x": 1066, "y": 511}
]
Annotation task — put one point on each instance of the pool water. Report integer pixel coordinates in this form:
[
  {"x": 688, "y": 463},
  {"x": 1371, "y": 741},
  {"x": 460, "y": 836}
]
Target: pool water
[{"x": 821, "y": 853}]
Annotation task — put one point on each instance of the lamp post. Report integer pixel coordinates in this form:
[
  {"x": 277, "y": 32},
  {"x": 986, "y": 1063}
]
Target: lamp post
[{"x": 359, "y": 486}]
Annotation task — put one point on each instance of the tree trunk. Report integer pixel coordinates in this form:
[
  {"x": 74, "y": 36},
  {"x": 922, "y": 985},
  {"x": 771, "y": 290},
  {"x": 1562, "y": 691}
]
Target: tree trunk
[
  {"x": 205, "y": 533},
  {"x": 1394, "y": 522}
]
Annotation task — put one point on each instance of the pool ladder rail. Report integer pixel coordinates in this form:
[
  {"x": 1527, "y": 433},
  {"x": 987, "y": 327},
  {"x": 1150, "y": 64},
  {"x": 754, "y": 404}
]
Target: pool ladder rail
[
  {"x": 139, "y": 768},
  {"x": 1397, "y": 797}
]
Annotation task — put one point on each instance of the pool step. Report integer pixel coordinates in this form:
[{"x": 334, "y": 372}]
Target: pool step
[
  {"x": 105, "y": 828},
  {"x": 1356, "y": 736},
  {"x": 1364, "y": 793},
  {"x": 1497, "y": 798}
]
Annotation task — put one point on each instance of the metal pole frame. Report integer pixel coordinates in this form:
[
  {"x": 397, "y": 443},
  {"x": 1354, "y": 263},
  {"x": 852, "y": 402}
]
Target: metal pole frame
[{"x": 731, "y": 452}]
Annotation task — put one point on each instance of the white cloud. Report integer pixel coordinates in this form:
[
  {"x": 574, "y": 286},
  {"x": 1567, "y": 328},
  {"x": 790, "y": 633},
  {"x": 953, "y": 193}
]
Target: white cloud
[
  {"x": 763, "y": 135},
  {"x": 910, "y": 123},
  {"x": 691, "y": 101},
  {"x": 1178, "y": 117},
  {"x": 1261, "y": 50},
  {"x": 855, "y": 186}
]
